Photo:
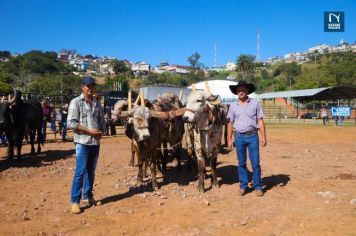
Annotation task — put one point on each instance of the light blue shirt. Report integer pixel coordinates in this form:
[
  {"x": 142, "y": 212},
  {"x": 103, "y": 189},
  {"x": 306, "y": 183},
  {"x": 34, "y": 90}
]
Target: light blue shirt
[
  {"x": 81, "y": 113},
  {"x": 244, "y": 118}
]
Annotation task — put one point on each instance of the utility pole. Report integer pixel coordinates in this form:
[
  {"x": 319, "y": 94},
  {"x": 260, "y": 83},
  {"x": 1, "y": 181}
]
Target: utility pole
[
  {"x": 62, "y": 90},
  {"x": 258, "y": 56},
  {"x": 215, "y": 56}
]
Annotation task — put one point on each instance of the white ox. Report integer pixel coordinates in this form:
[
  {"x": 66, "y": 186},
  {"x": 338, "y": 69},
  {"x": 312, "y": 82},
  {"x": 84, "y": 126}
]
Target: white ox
[{"x": 206, "y": 118}]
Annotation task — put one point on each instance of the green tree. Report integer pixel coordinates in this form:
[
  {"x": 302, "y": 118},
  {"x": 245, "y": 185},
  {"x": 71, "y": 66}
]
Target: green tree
[
  {"x": 245, "y": 65},
  {"x": 119, "y": 67},
  {"x": 194, "y": 60},
  {"x": 37, "y": 62}
]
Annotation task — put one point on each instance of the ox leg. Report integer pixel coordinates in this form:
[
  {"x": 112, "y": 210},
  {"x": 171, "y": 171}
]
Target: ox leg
[
  {"x": 39, "y": 140},
  {"x": 19, "y": 146},
  {"x": 192, "y": 163},
  {"x": 32, "y": 141},
  {"x": 10, "y": 149},
  {"x": 177, "y": 154},
  {"x": 214, "y": 180},
  {"x": 133, "y": 152},
  {"x": 140, "y": 174},
  {"x": 140, "y": 168},
  {"x": 201, "y": 166},
  {"x": 153, "y": 170},
  {"x": 165, "y": 156}
]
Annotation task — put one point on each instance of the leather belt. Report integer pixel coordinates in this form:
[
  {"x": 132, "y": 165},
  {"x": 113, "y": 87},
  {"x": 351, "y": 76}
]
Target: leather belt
[{"x": 249, "y": 132}]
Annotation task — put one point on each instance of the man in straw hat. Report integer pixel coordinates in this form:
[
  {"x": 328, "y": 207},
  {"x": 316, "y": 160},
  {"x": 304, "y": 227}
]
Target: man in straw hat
[
  {"x": 245, "y": 118},
  {"x": 86, "y": 118}
]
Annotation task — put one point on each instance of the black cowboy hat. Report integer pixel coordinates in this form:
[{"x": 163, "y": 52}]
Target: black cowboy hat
[{"x": 251, "y": 88}]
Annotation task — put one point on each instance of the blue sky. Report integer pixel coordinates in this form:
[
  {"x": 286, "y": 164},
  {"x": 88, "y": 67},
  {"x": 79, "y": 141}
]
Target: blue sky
[{"x": 172, "y": 30}]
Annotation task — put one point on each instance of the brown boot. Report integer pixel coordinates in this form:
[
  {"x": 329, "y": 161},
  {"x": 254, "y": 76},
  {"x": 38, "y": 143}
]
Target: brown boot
[
  {"x": 241, "y": 192},
  {"x": 75, "y": 209},
  {"x": 259, "y": 193}
]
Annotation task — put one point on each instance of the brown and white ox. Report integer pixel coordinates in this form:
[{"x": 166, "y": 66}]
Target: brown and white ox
[
  {"x": 205, "y": 119},
  {"x": 146, "y": 133}
]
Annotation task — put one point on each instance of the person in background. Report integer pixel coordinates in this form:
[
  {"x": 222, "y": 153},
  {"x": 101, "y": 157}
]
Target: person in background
[
  {"x": 59, "y": 121},
  {"x": 64, "y": 115},
  {"x": 53, "y": 120},
  {"x": 86, "y": 119},
  {"x": 341, "y": 120},
  {"x": 47, "y": 115},
  {"x": 324, "y": 116}
]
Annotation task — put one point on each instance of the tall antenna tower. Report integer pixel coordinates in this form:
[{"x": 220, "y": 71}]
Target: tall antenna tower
[
  {"x": 258, "y": 55},
  {"x": 215, "y": 56}
]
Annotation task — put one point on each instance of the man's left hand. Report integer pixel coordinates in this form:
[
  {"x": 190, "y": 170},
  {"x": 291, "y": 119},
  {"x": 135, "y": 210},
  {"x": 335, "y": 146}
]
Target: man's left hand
[{"x": 264, "y": 142}]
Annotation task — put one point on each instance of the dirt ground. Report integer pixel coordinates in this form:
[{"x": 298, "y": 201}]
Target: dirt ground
[{"x": 309, "y": 177}]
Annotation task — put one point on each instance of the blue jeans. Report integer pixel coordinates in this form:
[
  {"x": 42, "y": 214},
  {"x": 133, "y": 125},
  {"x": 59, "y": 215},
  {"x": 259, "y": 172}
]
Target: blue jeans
[
  {"x": 250, "y": 142},
  {"x": 83, "y": 180}
]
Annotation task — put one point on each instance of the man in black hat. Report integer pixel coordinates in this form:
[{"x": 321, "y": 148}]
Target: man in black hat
[
  {"x": 245, "y": 118},
  {"x": 86, "y": 118}
]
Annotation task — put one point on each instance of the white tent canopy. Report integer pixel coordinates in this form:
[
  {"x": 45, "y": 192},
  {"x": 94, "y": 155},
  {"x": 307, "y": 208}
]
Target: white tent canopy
[{"x": 221, "y": 88}]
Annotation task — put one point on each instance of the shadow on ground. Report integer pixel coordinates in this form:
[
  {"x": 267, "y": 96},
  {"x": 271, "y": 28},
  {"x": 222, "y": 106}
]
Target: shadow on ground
[{"x": 43, "y": 159}]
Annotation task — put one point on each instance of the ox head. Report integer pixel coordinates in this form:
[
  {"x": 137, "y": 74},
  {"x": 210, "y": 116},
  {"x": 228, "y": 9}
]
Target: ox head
[
  {"x": 198, "y": 103},
  {"x": 5, "y": 109},
  {"x": 169, "y": 101},
  {"x": 138, "y": 118}
]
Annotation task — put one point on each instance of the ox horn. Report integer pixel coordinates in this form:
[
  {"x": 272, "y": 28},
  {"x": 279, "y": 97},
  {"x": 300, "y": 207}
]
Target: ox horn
[
  {"x": 180, "y": 95},
  {"x": 124, "y": 114},
  {"x": 142, "y": 98},
  {"x": 193, "y": 87},
  {"x": 207, "y": 87},
  {"x": 158, "y": 114},
  {"x": 129, "y": 100},
  {"x": 12, "y": 100},
  {"x": 3, "y": 98}
]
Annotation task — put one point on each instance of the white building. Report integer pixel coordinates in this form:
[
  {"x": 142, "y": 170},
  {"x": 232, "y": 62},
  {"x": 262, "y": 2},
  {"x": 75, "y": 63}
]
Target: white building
[
  {"x": 322, "y": 48},
  {"x": 221, "y": 88},
  {"x": 230, "y": 66},
  {"x": 140, "y": 67}
]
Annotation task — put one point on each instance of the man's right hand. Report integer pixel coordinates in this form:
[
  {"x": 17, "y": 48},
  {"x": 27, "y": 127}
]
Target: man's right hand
[
  {"x": 95, "y": 133},
  {"x": 230, "y": 145}
]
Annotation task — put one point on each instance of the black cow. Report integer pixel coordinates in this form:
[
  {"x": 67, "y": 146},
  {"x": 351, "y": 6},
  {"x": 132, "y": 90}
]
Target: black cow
[{"x": 16, "y": 118}]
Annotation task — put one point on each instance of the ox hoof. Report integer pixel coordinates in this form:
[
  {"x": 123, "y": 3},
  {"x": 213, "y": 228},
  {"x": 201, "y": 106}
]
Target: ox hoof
[
  {"x": 201, "y": 189},
  {"x": 131, "y": 164},
  {"x": 155, "y": 186},
  {"x": 216, "y": 184}
]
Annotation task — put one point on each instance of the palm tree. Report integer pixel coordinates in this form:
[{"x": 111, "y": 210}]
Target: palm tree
[{"x": 245, "y": 64}]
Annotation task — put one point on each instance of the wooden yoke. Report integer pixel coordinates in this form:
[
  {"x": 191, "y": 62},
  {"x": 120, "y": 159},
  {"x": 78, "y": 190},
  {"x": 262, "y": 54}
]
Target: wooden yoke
[
  {"x": 136, "y": 102},
  {"x": 129, "y": 100},
  {"x": 142, "y": 98},
  {"x": 207, "y": 88}
]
